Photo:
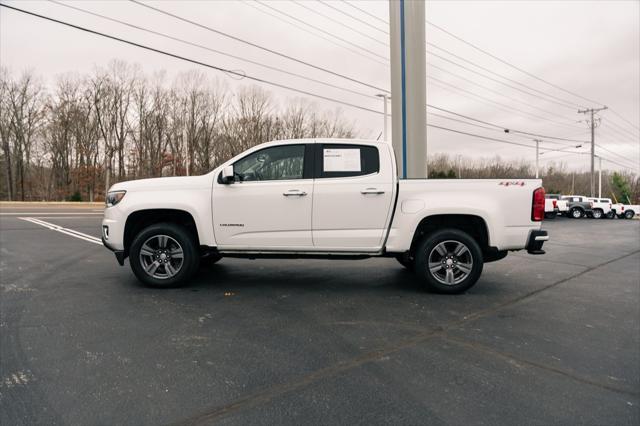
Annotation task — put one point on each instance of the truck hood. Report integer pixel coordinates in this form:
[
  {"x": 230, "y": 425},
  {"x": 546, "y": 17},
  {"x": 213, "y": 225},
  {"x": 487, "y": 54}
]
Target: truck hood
[{"x": 164, "y": 183}]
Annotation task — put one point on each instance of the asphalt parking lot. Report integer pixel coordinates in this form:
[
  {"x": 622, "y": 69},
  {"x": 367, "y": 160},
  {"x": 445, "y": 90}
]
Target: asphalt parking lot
[{"x": 551, "y": 339}]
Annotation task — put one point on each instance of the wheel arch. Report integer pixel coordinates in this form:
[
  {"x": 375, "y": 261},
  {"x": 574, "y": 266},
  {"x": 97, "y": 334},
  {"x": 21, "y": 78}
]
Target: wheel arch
[
  {"x": 140, "y": 219},
  {"x": 473, "y": 225}
]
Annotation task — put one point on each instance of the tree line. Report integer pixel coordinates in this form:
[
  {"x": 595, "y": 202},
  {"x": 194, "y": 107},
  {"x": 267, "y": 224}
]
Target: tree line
[
  {"x": 73, "y": 140},
  {"x": 89, "y": 131}
]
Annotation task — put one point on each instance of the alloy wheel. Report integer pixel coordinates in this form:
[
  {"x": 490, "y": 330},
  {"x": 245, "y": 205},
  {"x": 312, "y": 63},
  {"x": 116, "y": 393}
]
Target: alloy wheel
[
  {"x": 161, "y": 257},
  {"x": 450, "y": 262}
]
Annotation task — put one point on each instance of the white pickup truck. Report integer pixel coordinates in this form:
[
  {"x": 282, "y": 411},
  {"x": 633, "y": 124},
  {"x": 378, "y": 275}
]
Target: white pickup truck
[
  {"x": 601, "y": 208},
  {"x": 321, "y": 198},
  {"x": 624, "y": 211}
]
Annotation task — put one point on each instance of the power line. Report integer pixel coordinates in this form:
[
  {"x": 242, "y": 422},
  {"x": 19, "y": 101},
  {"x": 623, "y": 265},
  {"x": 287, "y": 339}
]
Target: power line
[
  {"x": 212, "y": 50},
  {"x": 480, "y": 136},
  {"x": 508, "y": 107},
  {"x": 494, "y": 80},
  {"x": 499, "y": 128},
  {"x": 371, "y": 52},
  {"x": 624, "y": 119},
  {"x": 84, "y": 29},
  {"x": 365, "y": 12},
  {"x": 491, "y": 90},
  {"x": 183, "y": 58},
  {"x": 257, "y": 46},
  {"x": 354, "y": 17},
  {"x": 486, "y": 53},
  {"x": 254, "y": 5},
  {"x": 510, "y": 64},
  {"x": 623, "y": 158},
  {"x": 493, "y": 104},
  {"x": 570, "y": 105},
  {"x": 350, "y": 28},
  {"x": 503, "y": 128},
  {"x": 622, "y": 130}
]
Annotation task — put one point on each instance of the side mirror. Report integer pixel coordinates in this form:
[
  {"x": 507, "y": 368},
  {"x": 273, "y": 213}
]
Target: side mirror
[{"x": 227, "y": 175}]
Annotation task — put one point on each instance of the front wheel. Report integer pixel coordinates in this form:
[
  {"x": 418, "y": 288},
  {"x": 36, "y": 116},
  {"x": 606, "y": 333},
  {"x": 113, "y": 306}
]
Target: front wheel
[
  {"x": 576, "y": 213},
  {"x": 611, "y": 214},
  {"x": 628, "y": 214},
  {"x": 164, "y": 255},
  {"x": 450, "y": 261},
  {"x": 597, "y": 213}
]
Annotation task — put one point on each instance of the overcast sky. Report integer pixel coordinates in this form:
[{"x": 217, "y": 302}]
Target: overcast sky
[{"x": 590, "y": 48}]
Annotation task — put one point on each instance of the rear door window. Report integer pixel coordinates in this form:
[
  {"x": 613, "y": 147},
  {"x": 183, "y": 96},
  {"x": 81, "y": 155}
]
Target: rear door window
[{"x": 346, "y": 160}]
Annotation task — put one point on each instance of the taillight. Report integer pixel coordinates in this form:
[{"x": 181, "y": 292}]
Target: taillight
[
  {"x": 537, "y": 207},
  {"x": 555, "y": 204},
  {"x": 621, "y": 208}
]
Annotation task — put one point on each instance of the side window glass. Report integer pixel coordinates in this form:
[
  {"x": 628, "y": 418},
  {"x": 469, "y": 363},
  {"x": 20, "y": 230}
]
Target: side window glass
[
  {"x": 276, "y": 163},
  {"x": 336, "y": 160}
]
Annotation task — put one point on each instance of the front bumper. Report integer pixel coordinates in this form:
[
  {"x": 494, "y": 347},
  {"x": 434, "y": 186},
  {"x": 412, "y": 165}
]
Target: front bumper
[
  {"x": 120, "y": 254},
  {"x": 536, "y": 240}
]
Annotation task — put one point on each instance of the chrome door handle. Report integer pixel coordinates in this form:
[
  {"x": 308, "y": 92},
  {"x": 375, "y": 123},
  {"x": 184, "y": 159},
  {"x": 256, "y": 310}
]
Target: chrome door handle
[
  {"x": 374, "y": 191},
  {"x": 294, "y": 193}
]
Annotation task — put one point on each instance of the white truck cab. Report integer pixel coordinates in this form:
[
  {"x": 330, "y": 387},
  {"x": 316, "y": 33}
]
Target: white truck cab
[{"x": 328, "y": 198}]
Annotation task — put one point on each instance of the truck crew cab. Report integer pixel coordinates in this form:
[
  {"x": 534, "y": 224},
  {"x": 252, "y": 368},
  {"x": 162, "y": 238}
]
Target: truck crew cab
[{"x": 321, "y": 198}]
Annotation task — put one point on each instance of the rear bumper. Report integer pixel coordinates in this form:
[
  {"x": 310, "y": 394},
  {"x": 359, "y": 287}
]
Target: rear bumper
[{"x": 536, "y": 239}]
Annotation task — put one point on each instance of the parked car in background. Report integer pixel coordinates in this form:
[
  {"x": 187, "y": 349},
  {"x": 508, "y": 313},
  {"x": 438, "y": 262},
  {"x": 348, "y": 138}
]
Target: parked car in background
[
  {"x": 550, "y": 208},
  {"x": 601, "y": 208},
  {"x": 561, "y": 205},
  {"x": 627, "y": 211},
  {"x": 579, "y": 205}
]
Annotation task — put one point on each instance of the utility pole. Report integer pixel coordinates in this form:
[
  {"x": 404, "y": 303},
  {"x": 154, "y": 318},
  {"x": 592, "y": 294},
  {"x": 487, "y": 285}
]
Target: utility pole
[
  {"x": 592, "y": 111},
  {"x": 537, "y": 141},
  {"x": 385, "y": 134}
]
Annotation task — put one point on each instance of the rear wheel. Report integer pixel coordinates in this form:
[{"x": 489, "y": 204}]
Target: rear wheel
[
  {"x": 629, "y": 214},
  {"x": 164, "y": 255},
  {"x": 450, "y": 261},
  {"x": 576, "y": 213},
  {"x": 597, "y": 213}
]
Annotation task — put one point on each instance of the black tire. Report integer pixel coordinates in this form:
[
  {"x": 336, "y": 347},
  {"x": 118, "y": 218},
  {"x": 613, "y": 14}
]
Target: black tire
[
  {"x": 597, "y": 213},
  {"x": 405, "y": 260},
  {"x": 182, "y": 238},
  {"x": 576, "y": 213},
  {"x": 550, "y": 215},
  {"x": 611, "y": 214},
  {"x": 434, "y": 281},
  {"x": 629, "y": 214},
  {"x": 621, "y": 216}
]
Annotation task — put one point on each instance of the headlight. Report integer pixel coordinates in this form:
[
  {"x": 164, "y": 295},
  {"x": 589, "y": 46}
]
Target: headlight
[{"x": 113, "y": 198}]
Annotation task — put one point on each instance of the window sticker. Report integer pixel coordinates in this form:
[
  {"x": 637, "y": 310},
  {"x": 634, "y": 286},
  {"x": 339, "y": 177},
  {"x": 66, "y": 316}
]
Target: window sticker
[{"x": 342, "y": 160}]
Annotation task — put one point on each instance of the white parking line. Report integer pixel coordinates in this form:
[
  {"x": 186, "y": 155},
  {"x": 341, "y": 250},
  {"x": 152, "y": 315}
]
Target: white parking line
[{"x": 62, "y": 230}]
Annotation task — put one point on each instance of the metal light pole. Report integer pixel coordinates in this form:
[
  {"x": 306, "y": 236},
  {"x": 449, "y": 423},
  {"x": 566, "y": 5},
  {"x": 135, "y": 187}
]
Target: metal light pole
[
  {"x": 408, "y": 86},
  {"x": 385, "y": 134},
  {"x": 599, "y": 177},
  {"x": 537, "y": 141}
]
